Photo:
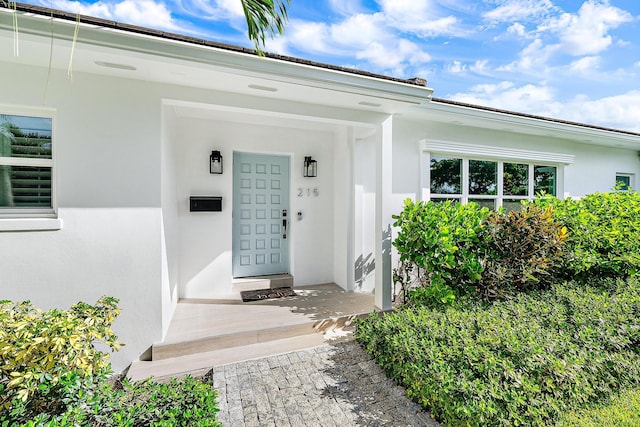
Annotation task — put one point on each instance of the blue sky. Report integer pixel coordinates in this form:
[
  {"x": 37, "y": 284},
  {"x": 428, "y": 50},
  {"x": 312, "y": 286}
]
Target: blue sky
[{"x": 570, "y": 59}]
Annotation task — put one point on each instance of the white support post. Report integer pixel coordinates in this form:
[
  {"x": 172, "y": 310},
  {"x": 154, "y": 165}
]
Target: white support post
[{"x": 384, "y": 177}]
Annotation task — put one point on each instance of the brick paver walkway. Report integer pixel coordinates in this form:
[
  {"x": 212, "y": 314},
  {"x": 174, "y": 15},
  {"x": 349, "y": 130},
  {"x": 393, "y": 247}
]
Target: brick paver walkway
[{"x": 331, "y": 385}]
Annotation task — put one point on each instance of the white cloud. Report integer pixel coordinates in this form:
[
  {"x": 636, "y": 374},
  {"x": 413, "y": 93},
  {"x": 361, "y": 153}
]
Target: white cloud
[
  {"x": 312, "y": 37},
  {"x": 456, "y": 67},
  {"x": 147, "y": 13},
  {"x": 360, "y": 30},
  {"x": 213, "y": 10},
  {"x": 424, "y": 18},
  {"x": 532, "y": 59},
  {"x": 346, "y": 8},
  {"x": 618, "y": 111},
  {"x": 480, "y": 66},
  {"x": 364, "y": 36},
  {"x": 586, "y": 63},
  {"x": 395, "y": 56},
  {"x": 511, "y": 10},
  {"x": 587, "y": 32},
  {"x": 99, "y": 9},
  {"x": 517, "y": 29},
  {"x": 144, "y": 12}
]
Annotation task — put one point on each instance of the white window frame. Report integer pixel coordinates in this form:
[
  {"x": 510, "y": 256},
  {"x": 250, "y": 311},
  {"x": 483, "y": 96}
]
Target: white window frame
[
  {"x": 631, "y": 177},
  {"x": 26, "y": 219},
  {"x": 500, "y": 155}
]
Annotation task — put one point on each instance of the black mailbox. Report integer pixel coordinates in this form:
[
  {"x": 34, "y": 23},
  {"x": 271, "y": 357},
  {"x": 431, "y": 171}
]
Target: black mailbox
[{"x": 205, "y": 204}]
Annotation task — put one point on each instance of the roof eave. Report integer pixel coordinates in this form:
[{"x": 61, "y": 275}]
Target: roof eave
[{"x": 38, "y": 21}]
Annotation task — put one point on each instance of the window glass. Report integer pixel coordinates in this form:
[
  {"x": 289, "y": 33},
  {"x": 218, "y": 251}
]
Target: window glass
[
  {"x": 544, "y": 179},
  {"x": 25, "y": 162},
  {"x": 446, "y": 175},
  {"x": 26, "y": 137},
  {"x": 483, "y": 177},
  {"x": 485, "y": 203},
  {"x": 623, "y": 181},
  {"x": 515, "y": 179}
]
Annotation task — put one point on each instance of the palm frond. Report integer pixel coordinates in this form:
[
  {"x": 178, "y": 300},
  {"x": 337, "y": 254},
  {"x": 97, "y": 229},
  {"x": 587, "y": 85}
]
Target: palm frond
[{"x": 264, "y": 18}]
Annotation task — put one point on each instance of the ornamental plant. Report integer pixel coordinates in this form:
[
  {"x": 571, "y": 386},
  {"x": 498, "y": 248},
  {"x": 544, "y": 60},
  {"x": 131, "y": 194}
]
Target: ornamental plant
[
  {"x": 439, "y": 248},
  {"x": 41, "y": 351},
  {"x": 524, "y": 251}
]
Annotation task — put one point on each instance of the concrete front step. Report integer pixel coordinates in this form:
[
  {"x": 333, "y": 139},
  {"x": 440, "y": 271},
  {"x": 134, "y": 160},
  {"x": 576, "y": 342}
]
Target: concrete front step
[
  {"x": 305, "y": 326},
  {"x": 200, "y": 363},
  {"x": 262, "y": 282}
]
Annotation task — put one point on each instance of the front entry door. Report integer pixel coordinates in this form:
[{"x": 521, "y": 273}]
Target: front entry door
[{"x": 261, "y": 215}]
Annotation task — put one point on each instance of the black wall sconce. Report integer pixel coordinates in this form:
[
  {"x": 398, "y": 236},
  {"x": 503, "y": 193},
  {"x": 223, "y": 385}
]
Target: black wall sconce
[
  {"x": 215, "y": 162},
  {"x": 310, "y": 168}
]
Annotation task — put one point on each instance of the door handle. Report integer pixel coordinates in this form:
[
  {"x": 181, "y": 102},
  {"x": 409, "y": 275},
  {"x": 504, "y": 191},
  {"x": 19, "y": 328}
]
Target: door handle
[{"x": 284, "y": 223}]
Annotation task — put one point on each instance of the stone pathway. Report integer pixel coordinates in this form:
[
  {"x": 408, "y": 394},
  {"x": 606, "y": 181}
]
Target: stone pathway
[{"x": 331, "y": 385}]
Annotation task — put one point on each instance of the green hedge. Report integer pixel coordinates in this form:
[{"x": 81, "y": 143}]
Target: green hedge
[
  {"x": 604, "y": 233},
  {"x": 449, "y": 250},
  {"x": 522, "y": 361},
  {"x": 621, "y": 411}
]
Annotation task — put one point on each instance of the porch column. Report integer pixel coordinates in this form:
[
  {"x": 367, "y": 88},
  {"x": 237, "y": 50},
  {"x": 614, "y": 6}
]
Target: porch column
[{"x": 384, "y": 177}]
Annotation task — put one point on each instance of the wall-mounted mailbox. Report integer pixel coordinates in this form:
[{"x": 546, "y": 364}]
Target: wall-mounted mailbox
[{"x": 205, "y": 204}]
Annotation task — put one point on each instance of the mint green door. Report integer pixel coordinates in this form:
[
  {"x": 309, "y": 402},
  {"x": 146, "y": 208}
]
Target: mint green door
[{"x": 261, "y": 215}]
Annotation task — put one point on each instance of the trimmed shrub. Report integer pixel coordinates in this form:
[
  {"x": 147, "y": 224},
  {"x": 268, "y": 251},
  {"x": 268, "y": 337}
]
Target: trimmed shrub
[
  {"x": 521, "y": 361},
  {"x": 604, "y": 233},
  {"x": 524, "y": 251},
  {"x": 622, "y": 411},
  {"x": 439, "y": 248}
]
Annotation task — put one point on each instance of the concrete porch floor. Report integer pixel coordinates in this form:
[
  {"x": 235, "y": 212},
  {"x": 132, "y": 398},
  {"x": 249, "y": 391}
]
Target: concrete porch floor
[{"x": 207, "y": 333}]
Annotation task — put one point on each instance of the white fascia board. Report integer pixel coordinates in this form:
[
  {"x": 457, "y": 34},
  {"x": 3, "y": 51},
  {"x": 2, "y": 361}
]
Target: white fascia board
[
  {"x": 581, "y": 134},
  {"x": 225, "y": 60}
]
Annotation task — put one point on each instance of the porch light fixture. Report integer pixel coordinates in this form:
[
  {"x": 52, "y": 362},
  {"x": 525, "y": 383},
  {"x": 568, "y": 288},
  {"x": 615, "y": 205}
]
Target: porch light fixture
[
  {"x": 215, "y": 163},
  {"x": 310, "y": 169}
]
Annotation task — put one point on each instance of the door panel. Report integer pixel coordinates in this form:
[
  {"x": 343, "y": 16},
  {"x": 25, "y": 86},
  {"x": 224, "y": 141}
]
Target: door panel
[{"x": 260, "y": 205}]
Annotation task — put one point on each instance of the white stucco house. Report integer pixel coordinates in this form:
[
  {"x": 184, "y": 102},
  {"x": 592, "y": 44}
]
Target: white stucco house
[{"x": 109, "y": 148}]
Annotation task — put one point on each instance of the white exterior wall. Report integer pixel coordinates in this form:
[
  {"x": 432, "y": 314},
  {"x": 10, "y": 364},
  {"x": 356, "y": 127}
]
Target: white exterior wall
[
  {"x": 107, "y": 165},
  {"x": 170, "y": 226},
  {"x": 206, "y": 237},
  {"x": 364, "y": 214}
]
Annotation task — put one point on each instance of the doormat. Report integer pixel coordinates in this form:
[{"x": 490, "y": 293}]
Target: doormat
[{"x": 262, "y": 294}]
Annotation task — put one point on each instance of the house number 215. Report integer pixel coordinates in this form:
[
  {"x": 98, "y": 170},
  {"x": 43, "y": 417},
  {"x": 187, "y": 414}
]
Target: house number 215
[{"x": 309, "y": 192}]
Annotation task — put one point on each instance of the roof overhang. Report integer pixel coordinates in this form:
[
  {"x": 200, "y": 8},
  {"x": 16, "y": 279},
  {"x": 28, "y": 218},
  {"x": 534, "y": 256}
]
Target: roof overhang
[
  {"x": 136, "y": 55},
  {"x": 485, "y": 118}
]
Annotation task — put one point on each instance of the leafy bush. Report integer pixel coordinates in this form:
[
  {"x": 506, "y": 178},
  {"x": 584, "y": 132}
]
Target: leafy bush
[
  {"x": 524, "y": 250},
  {"x": 622, "y": 411},
  {"x": 521, "y": 361},
  {"x": 184, "y": 402},
  {"x": 604, "y": 233},
  {"x": 40, "y": 351},
  {"x": 51, "y": 374},
  {"x": 438, "y": 247}
]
